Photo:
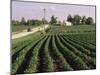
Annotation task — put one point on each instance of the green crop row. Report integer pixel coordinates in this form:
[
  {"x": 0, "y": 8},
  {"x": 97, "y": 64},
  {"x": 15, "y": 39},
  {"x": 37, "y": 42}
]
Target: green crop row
[
  {"x": 71, "y": 29},
  {"x": 78, "y": 46},
  {"x": 87, "y": 59},
  {"x": 47, "y": 60},
  {"x": 21, "y": 57},
  {"x": 32, "y": 66},
  {"x": 87, "y": 47},
  {"x": 88, "y": 38},
  {"x": 19, "y": 41},
  {"x": 83, "y": 43},
  {"x": 58, "y": 57},
  {"x": 75, "y": 61}
]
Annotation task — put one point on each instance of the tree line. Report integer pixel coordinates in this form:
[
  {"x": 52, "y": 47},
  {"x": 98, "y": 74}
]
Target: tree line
[
  {"x": 28, "y": 22},
  {"x": 78, "y": 20},
  {"x": 75, "y": 20}
]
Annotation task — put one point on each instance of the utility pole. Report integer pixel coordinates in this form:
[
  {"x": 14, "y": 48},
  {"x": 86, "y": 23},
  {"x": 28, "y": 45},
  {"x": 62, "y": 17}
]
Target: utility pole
[
  {"x": 44, "y": 17},
  {"x": 44, "y": 12}
]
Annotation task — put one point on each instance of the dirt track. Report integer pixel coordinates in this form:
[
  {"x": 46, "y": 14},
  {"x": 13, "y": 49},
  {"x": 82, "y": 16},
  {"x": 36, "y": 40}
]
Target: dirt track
[{"x": 25, "y": 33}]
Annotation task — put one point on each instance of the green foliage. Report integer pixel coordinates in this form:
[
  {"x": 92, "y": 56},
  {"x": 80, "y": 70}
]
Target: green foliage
[
  {"x": 89, "y": 21},
  {"x": 77, "y": 29},
  {"x": 86, "y": 41},
  {"x": 84, "y": 56},
  {"x": 77, "y": 20},
  {"x": 34, "y": 22},
  {"x": 44, "y": 21},
  {"x": 53, "y": 20},
  {"x": 32, "y": 67},
  {"x": 58, "y": 56},
  {"x": 83, "y": 20},
  {"x": 18, "y": 26},
  {"x": 23, "y": 21},
  {"x": 69, "y": 18},
  {"x": 75, "y": 60},
  {"x": 60, "y": 49},
  {"x": 19, "y": 56},
  {"x": 15, "y": 23},
  {"x": 48, "y": 67}
]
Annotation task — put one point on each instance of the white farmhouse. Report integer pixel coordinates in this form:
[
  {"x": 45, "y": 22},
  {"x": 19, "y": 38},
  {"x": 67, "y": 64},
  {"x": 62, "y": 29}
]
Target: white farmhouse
[{"x": 67, "y": 23}]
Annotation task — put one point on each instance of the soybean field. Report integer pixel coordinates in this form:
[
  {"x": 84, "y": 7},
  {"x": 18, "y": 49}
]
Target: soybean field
[{"x": 60, "y": 48}]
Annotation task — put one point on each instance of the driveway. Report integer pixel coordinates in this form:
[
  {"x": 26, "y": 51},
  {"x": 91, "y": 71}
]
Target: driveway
[{"x": 25, "y": 33}]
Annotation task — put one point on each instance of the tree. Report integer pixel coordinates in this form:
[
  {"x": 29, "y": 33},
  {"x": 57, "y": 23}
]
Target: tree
[
  {"x": 44, "y": 21},
  {"x": 89, "y": 21},
  {"x": 15, "y": 22},
  {"x": 29, "y": 22},
  {"x": 77, "y": 20},
  {"x": 53, "y": 20},
  {"x": 69, "y": 18},
  {"x": 83, "y": 20},
  {"x": 34, "y": 22},
  {"x": 37, "y": 22},
  {"x": 23, "y": 22},
  {"x": 59, "y": 22}
]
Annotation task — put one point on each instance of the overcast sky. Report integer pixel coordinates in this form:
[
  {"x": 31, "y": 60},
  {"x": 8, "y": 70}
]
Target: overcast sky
[{"x": 33, "y": 10}]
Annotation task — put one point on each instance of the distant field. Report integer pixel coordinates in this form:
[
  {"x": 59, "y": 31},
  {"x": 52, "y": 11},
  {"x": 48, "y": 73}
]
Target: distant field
[
  {"x": 20, "y": 28},
  {"x": 71, "y": 29},
  {"x": 61, "y": 48}
]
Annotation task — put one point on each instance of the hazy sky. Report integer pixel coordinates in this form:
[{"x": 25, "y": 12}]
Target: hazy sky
[{"x": 33, "y": 10}]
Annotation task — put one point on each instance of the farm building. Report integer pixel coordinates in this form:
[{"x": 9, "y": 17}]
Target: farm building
[{"x": 67, "y": 23}]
